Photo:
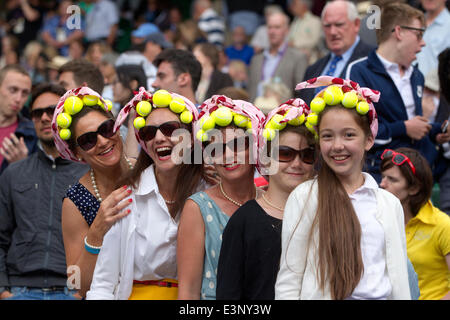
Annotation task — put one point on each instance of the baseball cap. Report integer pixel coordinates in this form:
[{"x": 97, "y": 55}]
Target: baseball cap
[{"x": 145, "y": 30}]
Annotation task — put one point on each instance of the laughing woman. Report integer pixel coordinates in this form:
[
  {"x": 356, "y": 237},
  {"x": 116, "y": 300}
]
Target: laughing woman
[
  {"x": 84, "y": 132},
  {"x": 138, "y": 257},
  {"x": 206, "y": 214}
]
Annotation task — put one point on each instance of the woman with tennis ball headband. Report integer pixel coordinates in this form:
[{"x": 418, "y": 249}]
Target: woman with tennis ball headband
[
  {"x": 205, "y": 214},
  {"x": 251, "y": 245},
  {"x": 138, "y": 257},
  {"x": 83, "y": 131},
  {"x": 343, "y": 237}
]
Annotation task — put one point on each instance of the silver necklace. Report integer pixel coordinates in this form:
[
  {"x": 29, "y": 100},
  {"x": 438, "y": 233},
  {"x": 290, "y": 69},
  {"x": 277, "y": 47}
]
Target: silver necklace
[
  {"x": 229, "y": 198},
  {"x": 270, "y": 203},
  {"x": 94, "y": 182}
]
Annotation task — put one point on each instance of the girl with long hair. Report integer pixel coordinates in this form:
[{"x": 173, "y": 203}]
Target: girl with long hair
[
  {"x": 251, "y": 242},
  {"x": 138, "y": 257},
  {"x": 342, "y": 236}
]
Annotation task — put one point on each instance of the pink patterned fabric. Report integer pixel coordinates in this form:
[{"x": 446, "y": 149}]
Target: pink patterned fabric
[
  {"x": 241, "y": 107},
  {"x": 146, "y": 95},
  {"x": 291, "y": 109},
  {"x": 347, "y": 85},
  {"x": 62, "y": 145}
]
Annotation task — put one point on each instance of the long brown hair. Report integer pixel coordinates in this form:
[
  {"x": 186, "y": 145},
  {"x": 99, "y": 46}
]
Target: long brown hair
[{"x": 340, "y": 258}]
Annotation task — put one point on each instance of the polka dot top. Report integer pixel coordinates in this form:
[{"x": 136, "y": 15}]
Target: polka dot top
[
  {"x": 215, "y": 221},
  {"x": 85, "y": 201}
]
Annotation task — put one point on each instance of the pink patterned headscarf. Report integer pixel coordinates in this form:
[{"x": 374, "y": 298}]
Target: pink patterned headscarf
[
  {"x": 62, "y": 145},
  {"x": 347, "y": 85},
  {"x": 241, "y": 107},
  {"x": 144, "y": 95},
  {"x": 290, "y": 109}
]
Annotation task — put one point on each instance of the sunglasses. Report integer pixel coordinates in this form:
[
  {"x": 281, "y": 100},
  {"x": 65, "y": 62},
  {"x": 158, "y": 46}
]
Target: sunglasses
[
  {"x": 236, "y": 145},
  {"x": 36, "y": 114},
  {"x": 88, "y": 140},
  {"x": 147, "y": 133},
  {"x": 288, "y": 154},
  {"x": 398, "y": 159}
]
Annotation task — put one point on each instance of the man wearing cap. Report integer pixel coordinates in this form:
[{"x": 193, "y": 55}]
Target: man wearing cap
[
  {"x": 143, "y": 31},
  {"x": 32, "y": 256}
]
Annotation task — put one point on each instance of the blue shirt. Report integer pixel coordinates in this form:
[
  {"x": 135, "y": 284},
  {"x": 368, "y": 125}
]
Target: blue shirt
[
  {"x": 245, "y": 54},
  {"x": 436, "y": 39},
  {"x": 56, "y": 29},
  {"x": 340, "y": 65}
]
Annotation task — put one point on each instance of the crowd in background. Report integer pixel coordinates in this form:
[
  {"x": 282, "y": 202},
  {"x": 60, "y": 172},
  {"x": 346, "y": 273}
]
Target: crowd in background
[{"x": 255, "y": 51}]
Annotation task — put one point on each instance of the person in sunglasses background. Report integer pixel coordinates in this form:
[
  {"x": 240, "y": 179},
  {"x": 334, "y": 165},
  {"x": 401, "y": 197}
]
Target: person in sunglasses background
[
  {"x": 251, "y": 246},
  {"x": 206, "y": 213},
  {"x": 32, "y": 258},
  {"x": 343, "y": 237},
  {"x": 407, "y": 175},
  {"x": 401, "y": 120},
  {"x": 93, "y": 204},
  {"x": 138, "y": 257}
]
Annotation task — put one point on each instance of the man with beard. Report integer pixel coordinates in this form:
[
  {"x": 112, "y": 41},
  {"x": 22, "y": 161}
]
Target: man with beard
[{"x": 32, "y": 257}]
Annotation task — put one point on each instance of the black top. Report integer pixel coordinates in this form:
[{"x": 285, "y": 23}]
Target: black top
[{"x": 250, "y": 255}]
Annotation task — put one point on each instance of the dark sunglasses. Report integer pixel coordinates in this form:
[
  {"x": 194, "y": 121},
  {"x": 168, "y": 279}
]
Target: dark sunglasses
[
  {"x": 398, "y": 159},
  {"x": 287, "y": 154},
  {"x": 88, "y": 140},
  {"x": 36, "y": 114},
  {"x": 236, "y": 145},
  {"x": 147, "y": 133}
]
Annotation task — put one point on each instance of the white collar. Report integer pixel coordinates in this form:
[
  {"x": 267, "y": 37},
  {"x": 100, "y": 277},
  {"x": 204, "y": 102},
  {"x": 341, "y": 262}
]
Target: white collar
[
  {"x": 147, "y": 182},
  {"x": 394, "y": 67}
]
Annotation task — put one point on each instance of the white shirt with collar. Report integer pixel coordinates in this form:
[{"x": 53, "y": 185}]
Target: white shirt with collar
[
  {"x": 403, "y": 84},
  {"x": 297, "y": 276},
  {"x": 374, "y": 283},
  {"x": 141, "y": 246}
]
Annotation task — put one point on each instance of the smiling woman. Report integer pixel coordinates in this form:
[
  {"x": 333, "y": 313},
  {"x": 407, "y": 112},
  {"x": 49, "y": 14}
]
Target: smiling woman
[
  {"x": 94, "y": 204},
  {"x": 147, "y": 239}
]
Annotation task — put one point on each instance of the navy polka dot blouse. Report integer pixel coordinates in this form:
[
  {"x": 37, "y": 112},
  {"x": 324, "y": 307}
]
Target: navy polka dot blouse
[{"x": 85, "y": 201}]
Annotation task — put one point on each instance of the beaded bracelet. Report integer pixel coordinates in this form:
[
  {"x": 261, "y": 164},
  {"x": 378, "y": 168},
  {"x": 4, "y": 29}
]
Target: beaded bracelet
[{"x": 91, "y": 249}]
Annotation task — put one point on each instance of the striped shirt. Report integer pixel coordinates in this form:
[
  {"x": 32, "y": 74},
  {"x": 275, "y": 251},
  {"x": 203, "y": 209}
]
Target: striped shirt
[{"x": 213, "y": 25}]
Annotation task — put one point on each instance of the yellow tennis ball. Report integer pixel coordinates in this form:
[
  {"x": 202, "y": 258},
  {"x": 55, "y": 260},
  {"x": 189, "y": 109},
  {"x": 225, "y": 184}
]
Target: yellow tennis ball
[
  {"x": 177, "y": 105},
  {"x": 202, "y": 135},
  {"x": 310, "y": 127},
  {"x": 269, "y": 133},
  {"x": 186, "y": 117},
  {"x": 73, "y": 105},
  {"x": 207, "y": 123},
  {"x": 90, "y": 100},
  {"x": 143, "y": 108},
  {"x": 333, "y": 95},
  {"x": 297, "y": 121},
  {"x": 362, "y": 107},
  {"x": 350, "y": 99},
  {"x": 317, "y": 105},
  {"x": 161, "y": 98},
  {"x": 139, "y": 122},
  {"x": 223, "y": 116},
  {"x": 64, "y": 120},
  {"x": 240, "y": 120},
  {"x": 312, "y": 119},
  {"x": 65, "y": 134},
  {"x": 108, "y": 105},
  {"x": 274, "y": 123},
  {"x": 249, "y": 124}
]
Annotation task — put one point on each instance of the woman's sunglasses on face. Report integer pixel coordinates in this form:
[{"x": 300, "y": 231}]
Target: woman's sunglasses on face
[
  {"x": 36, "y": 114},
  {"x": 288, "y": 154},
  {"x": 398, "y": 159},
  {"x": 88, "y": 140},
  {"x": 236, "y": 145},
  {"x": 148, "y": 133}
]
